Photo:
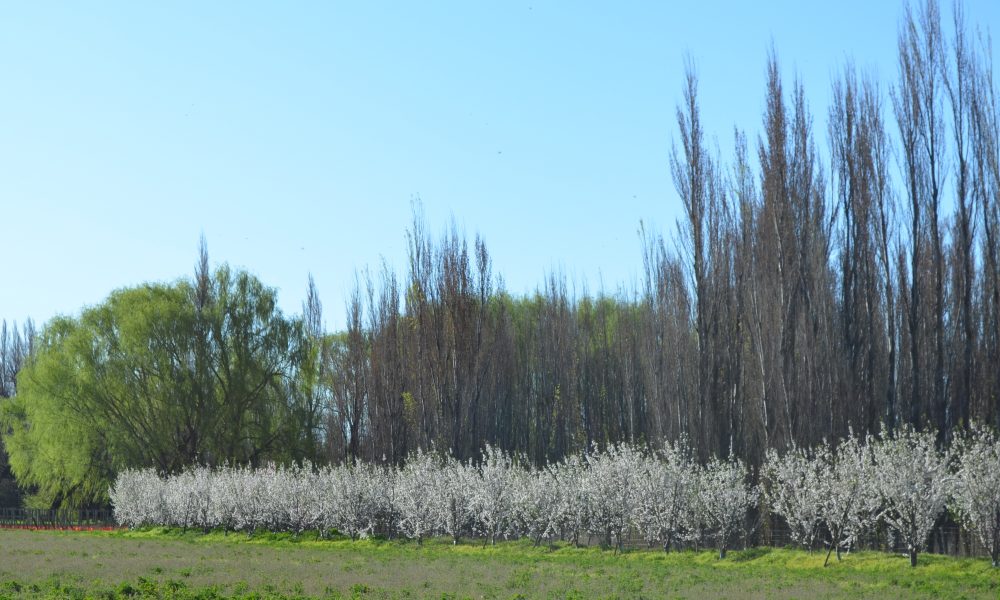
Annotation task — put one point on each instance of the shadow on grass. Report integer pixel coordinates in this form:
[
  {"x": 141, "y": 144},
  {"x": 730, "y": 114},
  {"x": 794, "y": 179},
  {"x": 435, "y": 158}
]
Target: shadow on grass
[{"x": 749, "y": 554}]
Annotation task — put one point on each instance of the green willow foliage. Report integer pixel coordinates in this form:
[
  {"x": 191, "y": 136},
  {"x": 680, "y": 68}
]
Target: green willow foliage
[{"x": 160, "y": 375}]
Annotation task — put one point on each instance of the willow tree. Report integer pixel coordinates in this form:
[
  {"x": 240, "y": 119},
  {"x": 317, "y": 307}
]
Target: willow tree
[{"x": 159, "y": 375}]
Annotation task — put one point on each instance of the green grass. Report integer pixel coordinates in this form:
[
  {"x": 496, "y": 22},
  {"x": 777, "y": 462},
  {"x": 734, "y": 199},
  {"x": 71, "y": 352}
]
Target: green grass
[{"x": 172, "y": 564}]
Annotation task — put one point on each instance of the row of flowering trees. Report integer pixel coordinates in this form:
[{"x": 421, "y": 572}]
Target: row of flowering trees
[
  {"x": 832, "y": 493},
  {"x": 606, "y": 495},
  {"x": 904, "y": 480}
]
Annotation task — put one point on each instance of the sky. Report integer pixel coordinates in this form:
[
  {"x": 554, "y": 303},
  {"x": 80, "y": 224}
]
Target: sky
[{"x": 297, "y": 136}]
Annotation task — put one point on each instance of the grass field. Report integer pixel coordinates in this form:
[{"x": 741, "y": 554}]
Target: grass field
[{"x": 168, "y": 564}]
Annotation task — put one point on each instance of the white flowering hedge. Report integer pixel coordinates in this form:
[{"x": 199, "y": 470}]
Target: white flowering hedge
[
  {"x": 606, "y": 495},
  {"x": 830, "y": 494}
]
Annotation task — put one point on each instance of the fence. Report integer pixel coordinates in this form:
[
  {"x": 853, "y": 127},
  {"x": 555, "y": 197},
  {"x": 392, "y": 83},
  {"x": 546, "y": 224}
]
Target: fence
[
  {"x": 36, "y": 518},
  {"x": 946, "y": 538}
]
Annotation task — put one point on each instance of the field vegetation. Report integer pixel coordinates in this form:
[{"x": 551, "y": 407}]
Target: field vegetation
[{"x": 166, "y": 563}]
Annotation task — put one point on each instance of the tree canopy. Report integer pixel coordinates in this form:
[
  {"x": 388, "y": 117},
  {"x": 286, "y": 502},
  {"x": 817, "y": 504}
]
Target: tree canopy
[
  {"x": 161, "y": 375},
  {"x": 796, "y": 303}
]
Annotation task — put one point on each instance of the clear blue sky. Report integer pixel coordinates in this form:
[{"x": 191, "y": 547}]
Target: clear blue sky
[{"x": 295, "y": 135}]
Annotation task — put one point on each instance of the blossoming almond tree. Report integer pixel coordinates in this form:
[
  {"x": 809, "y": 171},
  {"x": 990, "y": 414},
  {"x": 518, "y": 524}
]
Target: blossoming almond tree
[
  {"x": 295, "y": 490},
  {"x": 611, "y": 483},
  {"x": 258, "y": 490},
  {"x": 225, "y": 493},
  {"x": 794, "y": 485},
  {"x": 382, "y": 486},
  {"x": 492, "y": 493},
  {"x": 417, "y": 500},
  {"x": 847, "y": 505},
  {"x": 187, "y": 502},
  {"x": 911, "y": 478},
  {"x": 453, "y": 485},
  {"x": 725, "y": 496},
  {"x": 666, "y": 487},
  {"x": 537, "y": 498},
  {"x": 137, "y": 496},
  {"x": 976, "y": 492},
  {"x": 574, "y": 506},
  {"x": 349, "y": 501}
]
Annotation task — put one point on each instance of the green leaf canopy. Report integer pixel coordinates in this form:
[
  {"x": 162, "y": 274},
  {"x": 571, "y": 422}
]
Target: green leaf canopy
[{"x": 160, "y": 375}]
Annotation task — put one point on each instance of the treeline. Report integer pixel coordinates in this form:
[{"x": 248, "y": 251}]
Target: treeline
[
  {"x": 797, "y": 303},
  {"x": 16, "y": 344}
]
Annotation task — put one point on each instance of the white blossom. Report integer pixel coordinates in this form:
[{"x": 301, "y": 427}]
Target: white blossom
[
  {"x": 724, "y": 497},
  {"x": 453, "y": 486},
  {"x": 976, "y": 493},
  {"x": 295, "y": 497},
  {"x": 912, "y": 480},
  {"x": 666, "y": 488},
  {"x": 137, "y": 497},
  {"x": 349, "y": 500},
  {"x": 611, "y": 483},
  {"x": 574, "y": 504},
  {"x": 847, "y": 504},
  {"x": 537, "y": 503},
  {"x": 417, "y": 499},
  {"x": 794, "y": 490},
  {"x": 492, "y": 493}
]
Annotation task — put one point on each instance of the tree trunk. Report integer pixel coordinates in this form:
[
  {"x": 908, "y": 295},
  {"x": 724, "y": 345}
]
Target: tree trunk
[
  {"x": 834, "y": 544},
  {"x": 995, "y": 548}
]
